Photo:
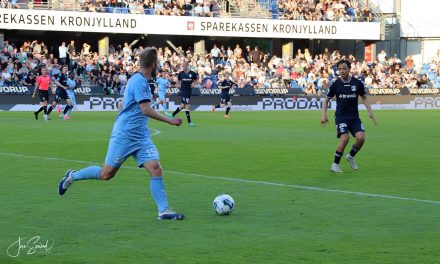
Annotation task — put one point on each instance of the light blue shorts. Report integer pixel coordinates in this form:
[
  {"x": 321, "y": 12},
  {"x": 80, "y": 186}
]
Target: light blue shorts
[
  {"x": 119, "y": 149},
  {"x": 162, "y": 96},
  {"x": 72, "y": 97}
]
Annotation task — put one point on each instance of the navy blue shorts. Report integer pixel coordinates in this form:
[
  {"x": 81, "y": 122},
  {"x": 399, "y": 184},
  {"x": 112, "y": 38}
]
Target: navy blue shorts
[
  {"x": 61, "y": 94},
  {"x": 353, "y": 126},
  {"x": 225, "y": 99},
  {"x": 185, "y": 99}
]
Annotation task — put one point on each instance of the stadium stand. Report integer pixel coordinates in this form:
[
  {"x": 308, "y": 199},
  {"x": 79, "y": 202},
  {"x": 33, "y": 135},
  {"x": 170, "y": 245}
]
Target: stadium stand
[
  {"x": 256, "y": 70},
  {"x": 323, "y": 10}
]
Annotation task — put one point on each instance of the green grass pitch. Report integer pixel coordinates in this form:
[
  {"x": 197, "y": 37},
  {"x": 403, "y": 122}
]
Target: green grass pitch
[{"x": 264, "y": 160}]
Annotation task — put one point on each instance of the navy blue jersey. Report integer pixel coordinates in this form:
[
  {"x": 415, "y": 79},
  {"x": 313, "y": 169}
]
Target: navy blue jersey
[
  {"x": 225, "y": 85},
  {"x": 186, "y": 79},
  {"x": 346, "y": 97},
  {"x": 62, "y": 79}
]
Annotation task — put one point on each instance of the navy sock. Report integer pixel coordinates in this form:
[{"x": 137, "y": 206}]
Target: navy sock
[
  {"x": 50, "y": 110},
  {"x": 188, "y": 117},
  {"x": 66, "y": 109},
  {"x": 228, "y": 109},
  {"x": 353, "y": 151},
  {"x": 176, "y": 112},
  {"x": 41, "y": 109},
  {"x": 338, "y": 156},
  {"x": 217, "y": 106}
]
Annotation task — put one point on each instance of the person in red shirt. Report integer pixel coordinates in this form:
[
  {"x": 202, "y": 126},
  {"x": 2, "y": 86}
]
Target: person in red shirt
[{"x": 42, "y": 85}]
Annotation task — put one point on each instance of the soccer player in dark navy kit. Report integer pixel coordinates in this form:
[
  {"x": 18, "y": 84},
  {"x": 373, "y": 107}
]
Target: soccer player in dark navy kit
[
  {"x": 347, "y": 89},
  {"x": 61, "y": 93},
  {"x": 187, "y": 79},
  {"x": 225, "y": 85}
]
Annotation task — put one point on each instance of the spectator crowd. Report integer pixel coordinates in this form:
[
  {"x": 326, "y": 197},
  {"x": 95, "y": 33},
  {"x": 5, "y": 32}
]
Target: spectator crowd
[
  {"x": 321, "y": 10},
  {"x": 250, "y": 68},
  {"x": 318, "y": 10}
]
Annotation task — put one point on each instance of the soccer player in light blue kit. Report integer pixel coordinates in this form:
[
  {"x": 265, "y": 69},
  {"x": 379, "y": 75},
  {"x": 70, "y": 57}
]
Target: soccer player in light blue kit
[
  {"x": 131, "y": 137},
  {"x": 71, "y": 84},
  {"x": 163, "y": 83}
]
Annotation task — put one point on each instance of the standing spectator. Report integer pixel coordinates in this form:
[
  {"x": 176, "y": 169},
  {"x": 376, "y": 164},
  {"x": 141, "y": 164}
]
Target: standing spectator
[
  {"x": 63, "y": 53},
  {"x": 215, "y": 54},
  {"x": 86, "y": 49},
  {"x": 71, "y": 50},
  {"x": 246, "y": 54},
  {"x": 409, "y": 64},
  {"x": 36, "y": 48},
  {"x": 382, "y": 56},
  {"x": 238, "y": 52},
  {"x": 256, "y": 55}
]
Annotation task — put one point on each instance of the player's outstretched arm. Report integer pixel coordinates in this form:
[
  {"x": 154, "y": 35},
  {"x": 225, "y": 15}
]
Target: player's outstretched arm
[
  {"x": 151, "y": 113},
  {"x": 324, "y": 119},
  {"x": 35, "y": 90},
  {"x": 370, "y": 111}
]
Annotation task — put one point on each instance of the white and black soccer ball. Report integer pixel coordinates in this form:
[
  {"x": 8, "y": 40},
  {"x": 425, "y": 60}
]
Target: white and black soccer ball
[{"x": 223, "y": 204}]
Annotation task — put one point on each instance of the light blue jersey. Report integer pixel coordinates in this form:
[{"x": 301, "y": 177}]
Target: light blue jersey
[
  {"x": 131, "y": 123},
  {"x": 130, "y": 135},
  {"x": 162, "y": 83},
  {"x": 71, "y": 84}
]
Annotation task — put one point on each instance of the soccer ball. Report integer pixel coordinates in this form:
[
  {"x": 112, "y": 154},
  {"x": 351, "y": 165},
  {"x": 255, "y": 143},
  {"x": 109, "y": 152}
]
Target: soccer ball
[{"x": 223, "y": 204}]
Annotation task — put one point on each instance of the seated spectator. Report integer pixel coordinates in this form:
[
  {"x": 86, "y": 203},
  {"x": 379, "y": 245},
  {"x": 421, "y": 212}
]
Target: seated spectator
[
  {"x": 158, "y": 7},
  {"x": 187, "y": 8},
  {"x": 206, "y": 10},
  {"x": 29, "y": 81},
  {"x": 94, "y": 74},
  {"x": 55, "y": 72},
  {"x": 424, "y": 82},
  {"x": 7, "y": 77},
  {"x": 366, "y": 14},
  {"x": 215, "y": 9},
  {"x": 198, "y": 10},
  {"x": 310, "y": 89}
]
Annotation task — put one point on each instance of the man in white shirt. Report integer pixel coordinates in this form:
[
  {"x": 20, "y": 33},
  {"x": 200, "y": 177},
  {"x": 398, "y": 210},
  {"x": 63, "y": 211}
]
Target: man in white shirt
[
  {"x": 63, "y": 53},
  {"x": 215, "y": 54}
]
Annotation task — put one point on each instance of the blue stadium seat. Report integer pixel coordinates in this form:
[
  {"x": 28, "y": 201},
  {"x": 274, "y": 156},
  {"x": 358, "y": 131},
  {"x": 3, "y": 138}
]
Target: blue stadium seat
[
  {"x": 149, "y": 11},
  {"x": 121, "y": 10}
]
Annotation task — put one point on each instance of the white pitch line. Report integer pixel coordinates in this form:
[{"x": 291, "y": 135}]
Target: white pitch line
[
  {"x": 301, "y": 187},
  {"x": 74, "y": 140}
]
